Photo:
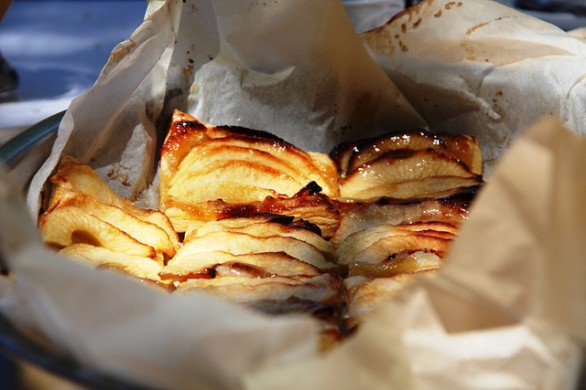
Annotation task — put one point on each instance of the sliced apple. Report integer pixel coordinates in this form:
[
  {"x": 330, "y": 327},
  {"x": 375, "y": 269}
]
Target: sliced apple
[
  {"x": 377, "y": 244},
  {"x": 341, "y": 155},
  {"x": 241, "y": 243},
  {"x": 74, "y": 176},
  {"x": 68, "y": 225},
  {"x": 144, "y": 232},
  {"x": 262, "y": 227},
  {"x": 248, "y": 173},
  {"x": 232, "y": 223},
  {"x": 393, "y": 212},
  {"x": 329, "y": 174},
  {"x": 100, "y": 257},
  {"x": 219, "y": 264},
  {"x": 408, "y": 174},
  {"x": 350, "y": 156},
  {"x": 296, "y": 158},
  {"x": 262, "y": 292},
  {"x": 206, "y": 156},
  {"x": 430, "y": 187},
  {"x": 402, "y": 263},
  {"x": 382, "y": 249},
  {"x": 219, "y": 152},
  {"x": 407, "y": 165},
  {"x": 316, "y": 209},
  {"x": 364, "y": 295},
  {"x": 362, "y": 239},
  {"x": 231, "y": 192},
  {"x": 185, "y": 132},
  {"x": 463, "y": 148},
  {"x": 183, "y": 214}
]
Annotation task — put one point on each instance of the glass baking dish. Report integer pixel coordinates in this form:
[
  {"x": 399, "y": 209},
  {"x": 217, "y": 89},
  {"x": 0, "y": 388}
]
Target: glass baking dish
[{"x": 23, "y": 155}]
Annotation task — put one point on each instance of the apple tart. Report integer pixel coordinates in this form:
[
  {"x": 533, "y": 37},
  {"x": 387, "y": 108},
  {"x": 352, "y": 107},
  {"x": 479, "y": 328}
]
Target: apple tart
[
  {"x": 209, "y": 172},
  {"x": 252, "y": 219},
  {"x": 406, "y": 196},
  {"x": 86, "y": 220},
  {"x": 269, "y": 262},
  {"x": 414, "y": 164}
]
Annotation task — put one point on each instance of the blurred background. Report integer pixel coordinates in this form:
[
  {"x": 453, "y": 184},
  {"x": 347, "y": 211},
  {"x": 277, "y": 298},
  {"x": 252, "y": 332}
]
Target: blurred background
[
  {"x": 57, "y": 48},
  {"x": 51, "y": 51}
]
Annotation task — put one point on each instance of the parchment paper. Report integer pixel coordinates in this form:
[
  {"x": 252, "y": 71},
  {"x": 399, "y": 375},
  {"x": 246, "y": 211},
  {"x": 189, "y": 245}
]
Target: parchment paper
[
  {"x": 482, "y": 66},
  {"x": 310, "y": 81},
  {"x": 505, "y": 312}
]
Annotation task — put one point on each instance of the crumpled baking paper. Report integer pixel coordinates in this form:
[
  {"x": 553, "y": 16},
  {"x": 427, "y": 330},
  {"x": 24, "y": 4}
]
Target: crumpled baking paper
[
  {"x": 483, "y": 67},
  {"x": 505, "y": 312},
  {"x": 310, "y": 81}
]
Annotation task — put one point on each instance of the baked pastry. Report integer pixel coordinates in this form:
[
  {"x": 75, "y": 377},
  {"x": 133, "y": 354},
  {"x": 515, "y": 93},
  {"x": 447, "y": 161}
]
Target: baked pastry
[
  {"x": 247, "y": 217},
  {"x": 269, "y": 262},
  {"x": 413, "y": 164},
  {"x": 204, "y": 168},
  {"x": 357, "y": 216},
  {"x": 73, "y": 176},
  {"x": 365, "y": 294},
  {"x": 306, "y": 205},
  {"x": 405, "y": 197},
  {"x": 351, "y": 156},
  {"x": 86, "y": 220}
]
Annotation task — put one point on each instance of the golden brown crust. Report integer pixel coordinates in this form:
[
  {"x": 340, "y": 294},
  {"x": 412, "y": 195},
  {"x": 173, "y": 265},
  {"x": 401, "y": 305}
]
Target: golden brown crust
[
  {"x": 268, "y": 225},
  {"x": 237, "y": 166},
  {"x": 73, "y": 177},
  {"x": 350, "y": 156}
]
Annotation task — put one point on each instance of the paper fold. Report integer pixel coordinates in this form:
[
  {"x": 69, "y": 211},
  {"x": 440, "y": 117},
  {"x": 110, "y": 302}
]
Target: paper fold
[
  {"x": 485, "y": 321},
  {"x": 483, "y": 68}
]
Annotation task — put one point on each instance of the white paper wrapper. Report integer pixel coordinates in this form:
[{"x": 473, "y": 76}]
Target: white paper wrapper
[
  {"x": 504, "y": 313},
  {"x": 313, "y": 86},
  {"x": 506, "y": 310},
  {"x": 483, "y": 68}
]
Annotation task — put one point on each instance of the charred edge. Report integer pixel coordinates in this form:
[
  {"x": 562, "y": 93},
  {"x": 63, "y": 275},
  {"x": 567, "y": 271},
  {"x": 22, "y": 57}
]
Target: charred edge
[
  {"x": 304, "y": 224},
  {"x": 277, "y": 218},
  {"x": 287, "y": 220},
  {"x": 255, "y": 134},
  {"x": 399, "y": 154},
  {"x": 312, "y": 188},
  {"x": 463, "y": 198},
  {"x": 338, "y": 150},
  {"x": 278, "y": 205},
  {"x": 238, "y": 210},
  {"x": 190, "y": 125}
]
